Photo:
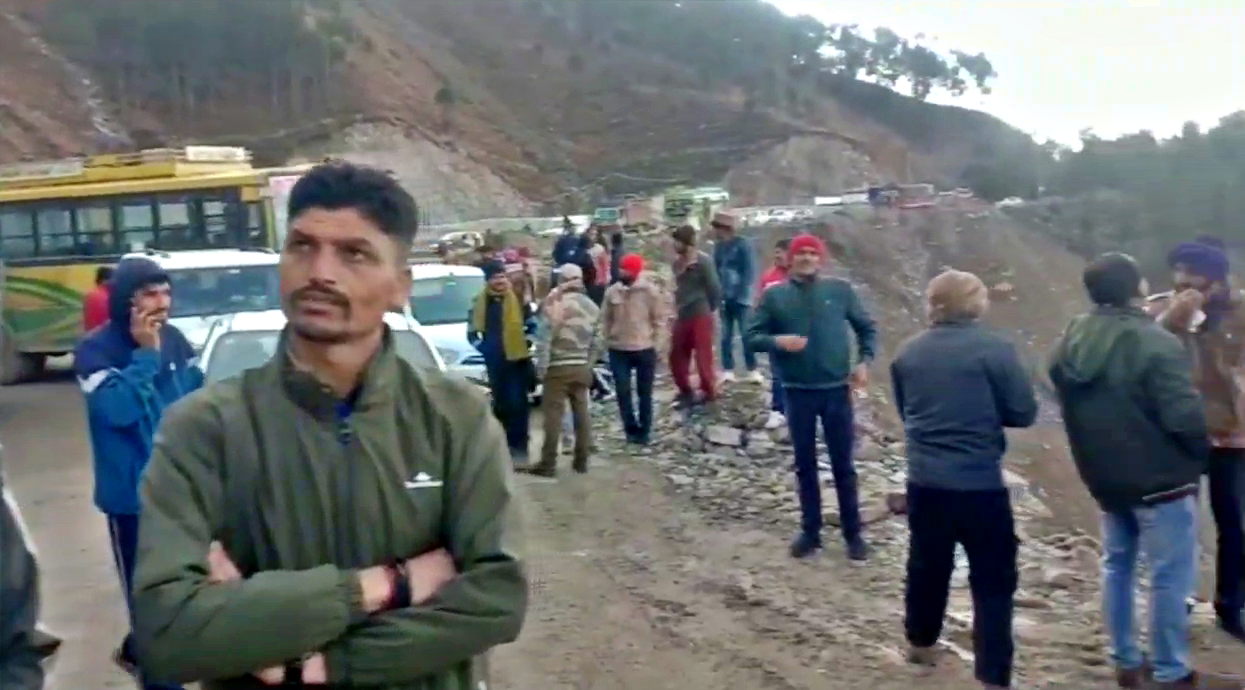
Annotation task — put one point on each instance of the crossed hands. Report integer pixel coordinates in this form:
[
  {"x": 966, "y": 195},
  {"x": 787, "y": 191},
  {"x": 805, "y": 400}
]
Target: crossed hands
[{"x": 427, "y": 573}]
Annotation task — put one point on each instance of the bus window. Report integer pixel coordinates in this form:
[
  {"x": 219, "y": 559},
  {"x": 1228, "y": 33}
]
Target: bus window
[
  {"x": 255, "y": 225},
  {"x": 95, "y": 230},
  {"x": 17, "y": 234},
  {"x": 138, "y": 225},
  {"x": 216, "y": 223},
  {"x": 173, "y": 214},
  {"x": 54, "y": 227}
]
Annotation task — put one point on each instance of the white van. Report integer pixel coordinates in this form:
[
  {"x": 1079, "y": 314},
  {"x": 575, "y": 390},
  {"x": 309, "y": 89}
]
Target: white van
[{"x": 210, "y": 283}]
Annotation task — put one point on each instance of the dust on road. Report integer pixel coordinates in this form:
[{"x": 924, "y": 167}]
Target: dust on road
[{"x": 633, "y": 587}]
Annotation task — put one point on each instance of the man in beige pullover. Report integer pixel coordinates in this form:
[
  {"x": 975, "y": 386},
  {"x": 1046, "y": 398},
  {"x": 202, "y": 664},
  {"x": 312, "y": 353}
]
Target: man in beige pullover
[{"x": 632, "y": 316}]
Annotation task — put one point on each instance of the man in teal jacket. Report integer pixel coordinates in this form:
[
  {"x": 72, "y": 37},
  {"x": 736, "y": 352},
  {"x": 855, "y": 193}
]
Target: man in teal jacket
[{"x": 805, "y": 322}]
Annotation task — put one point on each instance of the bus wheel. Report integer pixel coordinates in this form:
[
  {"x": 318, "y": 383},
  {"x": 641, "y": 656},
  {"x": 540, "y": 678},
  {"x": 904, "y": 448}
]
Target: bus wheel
[{"x": 19, "y": 367}]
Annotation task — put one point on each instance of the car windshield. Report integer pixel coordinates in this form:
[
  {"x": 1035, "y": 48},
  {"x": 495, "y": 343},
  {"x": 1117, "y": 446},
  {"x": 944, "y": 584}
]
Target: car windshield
[
  {"x": 224, "y": 290},
  {"x": 444, "y": 299},
  {"x": 236, "y": 352}
]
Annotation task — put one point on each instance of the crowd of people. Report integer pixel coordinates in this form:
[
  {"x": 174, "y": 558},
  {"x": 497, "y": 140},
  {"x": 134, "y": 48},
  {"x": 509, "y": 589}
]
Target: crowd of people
[{"x": 336, "y": 517}]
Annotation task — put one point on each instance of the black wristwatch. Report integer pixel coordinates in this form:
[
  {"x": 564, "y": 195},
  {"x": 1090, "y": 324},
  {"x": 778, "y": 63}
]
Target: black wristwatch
[
  {"x": 293, "y": 673},
  {"x": 401, "y": 586}
]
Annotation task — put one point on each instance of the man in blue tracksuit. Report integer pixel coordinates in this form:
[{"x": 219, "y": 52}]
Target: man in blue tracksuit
[
  {"x": 737, "y": 274},
  {"x": 807, "y": 322},
  {"x": 130, "y": 370}
]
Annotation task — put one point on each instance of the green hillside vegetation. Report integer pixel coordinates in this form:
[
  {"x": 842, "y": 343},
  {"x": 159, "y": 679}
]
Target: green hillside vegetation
[
  {"x": 191, "y": 63},
  {"x": 1143, "y": 194}
]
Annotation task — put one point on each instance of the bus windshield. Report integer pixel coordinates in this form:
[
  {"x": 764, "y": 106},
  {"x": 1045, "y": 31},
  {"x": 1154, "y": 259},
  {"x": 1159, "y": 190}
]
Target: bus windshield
[{"x": 223, "y": 290}]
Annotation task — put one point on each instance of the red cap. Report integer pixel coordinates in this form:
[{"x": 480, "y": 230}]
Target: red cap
[
  {"x": 802, "y": 243},
  {"x": 631, "y": 263}
]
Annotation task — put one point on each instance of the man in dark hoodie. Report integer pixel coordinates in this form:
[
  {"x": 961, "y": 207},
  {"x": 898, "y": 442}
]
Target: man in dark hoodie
[
  {"x": 500, "y": 327},
  {"x": 1138, "y": 434},
  {"x": 130, "y": 370}
]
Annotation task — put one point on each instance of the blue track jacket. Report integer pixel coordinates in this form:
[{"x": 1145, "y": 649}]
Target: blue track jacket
[{"x": 127, "y": 388}]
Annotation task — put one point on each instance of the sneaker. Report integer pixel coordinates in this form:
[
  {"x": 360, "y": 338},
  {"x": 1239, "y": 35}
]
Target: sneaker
[
  {"x": 727, "y": 377},
  {"x": 519, "y": 458},
  {"x": 858, "y": 550},
  {"x": 805, "y": 545},
  {"x": 923, "y": 656},
  {"x": 1205, "y": 681},
  {"x": 775, "y": 420},
  {"x": 754, "y": 377},
  {"x": 538, "y": 471}
]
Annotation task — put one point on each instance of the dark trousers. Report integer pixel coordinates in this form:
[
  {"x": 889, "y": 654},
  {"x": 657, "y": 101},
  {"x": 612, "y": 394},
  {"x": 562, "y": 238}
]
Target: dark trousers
[
  {"x": 643, "y": 365},
  {"x": 123, "y": 534},
  {"x": 693, "y": 336},
  {"x": 981, "y": 521},
  {"x": 735, "y": 317},
  {"x": 1225, "y": 479},
  {"x": 777, "y": 398},
  {"x": 833, "y": 407},
  {"x": 509, "y": 382}
]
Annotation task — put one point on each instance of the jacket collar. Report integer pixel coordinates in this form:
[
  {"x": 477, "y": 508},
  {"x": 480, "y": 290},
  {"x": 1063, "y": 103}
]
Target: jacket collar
[{"x": 375, "y": 389}]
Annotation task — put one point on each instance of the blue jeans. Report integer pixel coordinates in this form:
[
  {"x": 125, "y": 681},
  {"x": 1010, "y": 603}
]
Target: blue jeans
[
  {"x": 735, "y": 315},
  {"x": 1167, "y": 533},
  {"x": 833, "y": 408}
]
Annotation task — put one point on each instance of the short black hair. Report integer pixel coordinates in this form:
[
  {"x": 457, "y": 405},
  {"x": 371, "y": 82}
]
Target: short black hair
[
  {"x": 1112, "y": 280},
  {"x": 684, "y": 234},
  {"x": 103, "y": 274},
  {"x": 374, "y": 193},
  {"x": 783, "y": 244}
]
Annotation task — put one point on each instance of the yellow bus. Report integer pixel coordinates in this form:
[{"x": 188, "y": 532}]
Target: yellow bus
[{"x": 60, "y": 220}]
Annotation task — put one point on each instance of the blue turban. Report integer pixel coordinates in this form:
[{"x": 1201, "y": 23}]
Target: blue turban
[{"x": 1200, "y": 258}]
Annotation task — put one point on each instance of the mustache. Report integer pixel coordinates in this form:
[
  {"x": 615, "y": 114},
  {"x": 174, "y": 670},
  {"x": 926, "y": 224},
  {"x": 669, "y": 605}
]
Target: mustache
[{"x": 319, "y": 294}]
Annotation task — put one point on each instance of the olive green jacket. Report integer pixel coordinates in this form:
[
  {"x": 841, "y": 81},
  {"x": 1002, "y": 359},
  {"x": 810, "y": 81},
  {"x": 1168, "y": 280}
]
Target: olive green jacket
[{"x": 302, "y": 494}]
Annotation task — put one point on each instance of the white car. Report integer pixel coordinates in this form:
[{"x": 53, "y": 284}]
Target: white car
[
  {"x": 441, "y": 297},
  {"x": 209, "y": 283},
  {"x": 246, "y": 340}
]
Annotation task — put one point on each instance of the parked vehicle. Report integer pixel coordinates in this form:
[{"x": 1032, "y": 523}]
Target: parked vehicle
[{"x": 238, "y": 342}]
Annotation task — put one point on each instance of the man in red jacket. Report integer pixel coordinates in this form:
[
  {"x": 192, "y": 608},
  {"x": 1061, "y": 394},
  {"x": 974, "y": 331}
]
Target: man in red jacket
[
  {"x": 776, "y": 274},
  {"x": 95, "y": 304}
]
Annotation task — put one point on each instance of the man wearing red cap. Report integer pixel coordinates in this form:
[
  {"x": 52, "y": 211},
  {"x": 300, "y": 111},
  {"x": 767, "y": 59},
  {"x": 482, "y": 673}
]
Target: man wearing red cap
[
  {"x": 805, "y": 322},
  {"x": 632, "y": 317}
]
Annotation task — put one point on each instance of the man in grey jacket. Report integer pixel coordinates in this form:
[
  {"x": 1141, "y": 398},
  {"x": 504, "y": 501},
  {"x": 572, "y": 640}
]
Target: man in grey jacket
[{"x": 20, "y": 656}]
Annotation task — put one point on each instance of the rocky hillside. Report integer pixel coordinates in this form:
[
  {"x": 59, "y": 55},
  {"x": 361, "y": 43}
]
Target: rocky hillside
[{"x": 553, "y": 103}]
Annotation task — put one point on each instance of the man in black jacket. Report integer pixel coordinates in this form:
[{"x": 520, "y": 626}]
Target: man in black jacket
[
  {"x": 1138, "y": 435},
  {"x": 20, "y": 655}
]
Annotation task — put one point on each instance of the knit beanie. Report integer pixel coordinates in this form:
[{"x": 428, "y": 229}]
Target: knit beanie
[
  {"x": 631, "y": 263},
  {"x": 956, "y": 295},
  {"x": 804, "y": 243}
]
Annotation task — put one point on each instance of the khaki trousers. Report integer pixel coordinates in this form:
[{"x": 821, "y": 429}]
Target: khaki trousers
[{"x": 560, "y": 384}]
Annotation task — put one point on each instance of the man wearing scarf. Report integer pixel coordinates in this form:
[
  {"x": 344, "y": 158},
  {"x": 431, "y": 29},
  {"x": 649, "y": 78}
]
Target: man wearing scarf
[
  {"x": 1207, "y": 314},
  {"x": 499, "y": 326}
]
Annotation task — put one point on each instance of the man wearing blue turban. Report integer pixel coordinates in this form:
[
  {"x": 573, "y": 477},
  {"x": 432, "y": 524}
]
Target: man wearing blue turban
[{"x": 1208, "y": 315}]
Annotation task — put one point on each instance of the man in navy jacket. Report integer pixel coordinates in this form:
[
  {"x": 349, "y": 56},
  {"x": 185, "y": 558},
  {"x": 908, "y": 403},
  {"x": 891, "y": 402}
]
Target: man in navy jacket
[{"x": 130, "y": 370}]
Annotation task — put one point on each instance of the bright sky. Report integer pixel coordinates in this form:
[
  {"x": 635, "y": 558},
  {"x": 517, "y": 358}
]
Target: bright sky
[{"x": 1116, "y": 66}]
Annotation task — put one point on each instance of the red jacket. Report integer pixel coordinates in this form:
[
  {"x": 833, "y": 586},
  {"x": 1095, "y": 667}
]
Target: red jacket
[
  {"x": 773, "y": 276},
  {"x": 95, "y": 308}
]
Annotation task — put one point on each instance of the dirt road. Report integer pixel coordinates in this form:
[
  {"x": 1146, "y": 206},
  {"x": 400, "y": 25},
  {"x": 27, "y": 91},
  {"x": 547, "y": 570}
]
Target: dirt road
[{"x": 633, "y": 586}]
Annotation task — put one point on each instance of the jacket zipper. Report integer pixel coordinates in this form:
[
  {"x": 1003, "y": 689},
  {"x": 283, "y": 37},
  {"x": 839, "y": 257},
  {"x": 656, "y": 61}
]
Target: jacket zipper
[{"x": 345, "y": 439}]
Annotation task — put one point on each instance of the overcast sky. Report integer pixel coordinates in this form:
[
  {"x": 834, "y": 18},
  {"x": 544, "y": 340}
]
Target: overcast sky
[{"x": 1116, "y": 66}]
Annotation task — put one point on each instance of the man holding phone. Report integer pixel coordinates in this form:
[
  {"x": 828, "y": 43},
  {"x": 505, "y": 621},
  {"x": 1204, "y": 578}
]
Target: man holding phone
[
  {"x": 131, "y": 369},
  {"x": 1138, "y": 434}
]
